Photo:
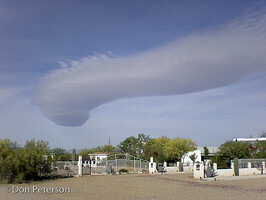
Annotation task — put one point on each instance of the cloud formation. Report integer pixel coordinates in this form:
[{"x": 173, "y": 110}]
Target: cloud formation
[{"x": 197, "y": 62}]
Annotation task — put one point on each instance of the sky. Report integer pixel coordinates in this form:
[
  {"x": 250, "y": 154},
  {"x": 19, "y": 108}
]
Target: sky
[{"x": 76, "y": 72}]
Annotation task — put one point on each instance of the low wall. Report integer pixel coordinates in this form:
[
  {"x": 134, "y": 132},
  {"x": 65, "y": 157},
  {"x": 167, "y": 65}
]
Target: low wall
[
  {"x": 224, "y": 172},
  {"x": 188, "y": 168},
  {"x": 249, "y": 171},
  {"x": 171, "y": 169},
  {"x": 199, "y": 170}
]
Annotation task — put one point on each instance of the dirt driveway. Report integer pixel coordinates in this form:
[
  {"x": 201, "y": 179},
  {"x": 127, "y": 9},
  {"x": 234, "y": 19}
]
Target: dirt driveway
[{"x": 142, "y": 186}]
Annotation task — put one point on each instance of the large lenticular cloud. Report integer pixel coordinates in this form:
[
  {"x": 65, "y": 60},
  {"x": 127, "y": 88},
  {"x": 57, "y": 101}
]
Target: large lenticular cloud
[{"x": 194, "y": 63}]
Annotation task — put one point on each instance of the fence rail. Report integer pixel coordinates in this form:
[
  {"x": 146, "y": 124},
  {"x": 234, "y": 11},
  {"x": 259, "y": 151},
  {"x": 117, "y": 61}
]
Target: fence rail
[{"x": 255, "y": 163}]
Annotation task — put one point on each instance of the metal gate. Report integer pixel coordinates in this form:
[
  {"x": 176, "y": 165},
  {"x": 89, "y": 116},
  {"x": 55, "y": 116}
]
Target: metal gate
[{"x": 118, "y": 163}]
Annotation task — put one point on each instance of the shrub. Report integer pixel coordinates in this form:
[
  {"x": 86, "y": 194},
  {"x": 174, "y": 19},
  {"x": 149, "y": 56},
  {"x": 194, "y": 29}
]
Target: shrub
[
  {"x": 123, "y": 171},
  {"x": 23, "y": 164},
  {"x": 180, "y": 167},
  {"x": 236, "y": 167}
]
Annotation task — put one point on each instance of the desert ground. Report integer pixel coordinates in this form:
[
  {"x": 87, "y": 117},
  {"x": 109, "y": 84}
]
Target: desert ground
[{"x": 143, "y": 186}]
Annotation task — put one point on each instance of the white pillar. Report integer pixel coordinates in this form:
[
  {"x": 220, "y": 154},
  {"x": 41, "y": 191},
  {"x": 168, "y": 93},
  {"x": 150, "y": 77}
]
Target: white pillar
[
  {"x": 80, "y": 166},
  {"x": 249, "y": 165},
  {"x": 215, "y": 166},
  {"x": 199, "y": 170},
  {"x": 202, "y": 170},
  {"x": 232, "y": 166},
  {"x": 165, "y": 164},
  {"x": 152, "y": 167},
  {"x": 151, "y": 159},
  {"x": 115, "y": 163}
]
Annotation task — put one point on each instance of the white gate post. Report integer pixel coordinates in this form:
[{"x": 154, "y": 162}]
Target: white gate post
[
  {"x": 199, "y": 170},
  {"x": 80, "y": 166},
  {"x": 116, "y": 162},
  {"x": 249, "y": 165},
  {"x": 152, "y": 166},
  {"x": 214, "y": 166}
]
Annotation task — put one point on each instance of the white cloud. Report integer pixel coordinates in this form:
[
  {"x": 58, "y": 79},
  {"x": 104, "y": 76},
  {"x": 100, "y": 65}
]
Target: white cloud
[
  {"x": 63, "y": 64},
  {"x": 194, "y": 63}
]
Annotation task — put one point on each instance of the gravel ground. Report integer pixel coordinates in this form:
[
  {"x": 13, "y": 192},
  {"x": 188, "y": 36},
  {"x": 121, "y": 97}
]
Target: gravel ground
[{"x": 144, "y": 186}]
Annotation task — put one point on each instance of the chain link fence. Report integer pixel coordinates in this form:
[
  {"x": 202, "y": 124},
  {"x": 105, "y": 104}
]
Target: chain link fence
[
  {"x": 66, "y": 168},
  {"x": 121, "y": 162},
  {"x": 115, "y": 162}
]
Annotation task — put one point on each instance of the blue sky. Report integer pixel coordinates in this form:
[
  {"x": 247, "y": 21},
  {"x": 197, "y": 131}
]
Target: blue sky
[{"x": 41, "y": 41}]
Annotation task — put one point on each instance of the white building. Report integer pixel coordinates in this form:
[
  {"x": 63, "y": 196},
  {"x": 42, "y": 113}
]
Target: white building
[
  {"x": 198, "y": 153},
  {"x": 212, "y": 150},
  {"x": 187, "y": 160},
  {"x": 98, "y": 156}
]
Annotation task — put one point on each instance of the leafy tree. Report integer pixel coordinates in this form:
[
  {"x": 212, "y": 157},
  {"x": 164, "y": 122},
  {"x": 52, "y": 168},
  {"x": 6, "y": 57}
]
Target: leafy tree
[
  {"x": 109, "y": 148},
  {"x": 177, "y": 147},
  {"x": 74, "y": 154},
  {"x": 155, "y": 148},
  {"x": 5, "y": 148},
  {"x": 26, "y": 163},
  {"x": 261, "y": 150},
  {"x": 34, "y": 164},
  {"x": 134, "y": 146},
  {"x": 85, "y": 154},
  {"x": 5, "y": 151},
  {"x": 61, "y": 154},
  {"x": 206, "y": 151},
  {"x": 230, "y": 150},
  {"x": 129, "y": 145}
]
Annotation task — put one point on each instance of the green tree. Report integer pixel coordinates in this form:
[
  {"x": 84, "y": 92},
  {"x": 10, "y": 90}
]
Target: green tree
[
  {"x": 261, "y": 150},
  {"x": 230, "y": 150},
  {"x": 5, "y": 151},
  {"x": 177, "y": 147},
  {"x": 129, "y": 145},
  {"x": 155, "y": 148},
  {"x": 85, "y": 154},
  {"x": 134, "y": 146},
  {"x": 206, "y": 151},
  {"x": 74, "y": 154},
  {"x": 109, "y": 148},
  {"x": 27, "y": 163},
  {"x": 61, "y": 154}
]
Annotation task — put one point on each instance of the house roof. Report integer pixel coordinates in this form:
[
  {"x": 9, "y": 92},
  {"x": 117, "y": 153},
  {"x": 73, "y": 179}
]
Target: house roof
[
  {"x": 99, "y": 153},
  {"x": 212, "y": 150}
]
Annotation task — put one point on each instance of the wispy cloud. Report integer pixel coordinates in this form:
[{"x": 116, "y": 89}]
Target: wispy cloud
[{"x": 198, "y": 62}]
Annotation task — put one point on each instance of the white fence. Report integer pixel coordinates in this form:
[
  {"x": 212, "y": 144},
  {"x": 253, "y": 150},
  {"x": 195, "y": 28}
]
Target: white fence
[{"x": 252, "y": 167}]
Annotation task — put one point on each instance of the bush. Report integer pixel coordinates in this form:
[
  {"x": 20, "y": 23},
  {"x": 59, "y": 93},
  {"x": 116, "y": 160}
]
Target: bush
[
  {"x": 123, "y": 171},
  {"x": 22, "y": 164},
  {"x": 180, "y": 167}
]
